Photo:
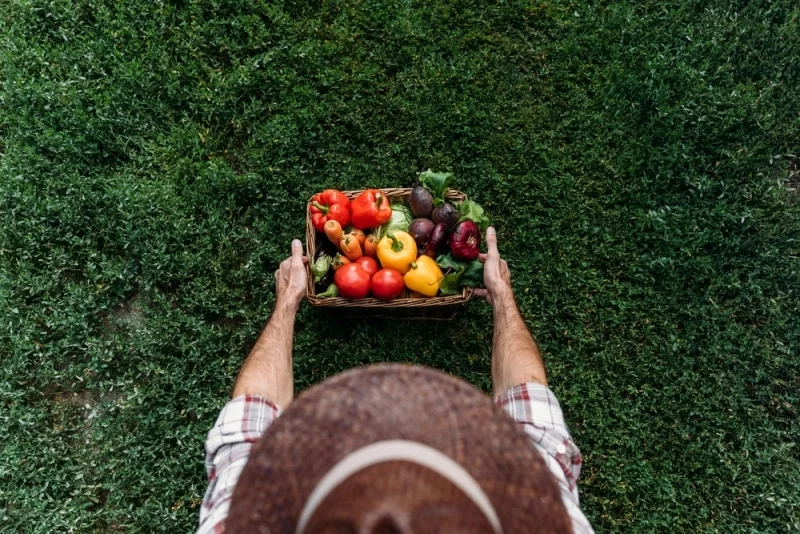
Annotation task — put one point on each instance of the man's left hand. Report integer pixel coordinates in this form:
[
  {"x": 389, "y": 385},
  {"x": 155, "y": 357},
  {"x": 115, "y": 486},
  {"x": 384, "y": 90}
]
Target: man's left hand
[{"x": 291, "y": 280}]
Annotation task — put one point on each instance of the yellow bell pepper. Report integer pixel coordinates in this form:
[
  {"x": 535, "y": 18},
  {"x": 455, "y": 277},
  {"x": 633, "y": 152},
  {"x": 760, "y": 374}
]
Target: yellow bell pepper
[
  {"x": 424, "y": 276},
  {"x": 397, "y": 251}
]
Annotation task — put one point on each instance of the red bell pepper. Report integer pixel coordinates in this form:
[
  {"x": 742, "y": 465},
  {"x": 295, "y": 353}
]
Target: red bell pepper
[
  {"x": 370, "y": 209},
  {"x": 329, "y": 205}
]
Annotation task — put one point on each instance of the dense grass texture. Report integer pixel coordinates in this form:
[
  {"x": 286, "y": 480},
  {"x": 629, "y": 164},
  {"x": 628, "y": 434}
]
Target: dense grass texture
[{"x": 639, "y": 159}]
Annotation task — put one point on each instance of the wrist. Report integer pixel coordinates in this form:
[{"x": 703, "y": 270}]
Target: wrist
[
  {"x": 286, "y": 307},
  {"x": 503, "y": 297}
]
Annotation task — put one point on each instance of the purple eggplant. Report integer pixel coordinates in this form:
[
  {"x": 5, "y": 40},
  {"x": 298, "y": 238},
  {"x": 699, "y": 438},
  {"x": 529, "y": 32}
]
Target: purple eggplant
[{"x": 436, "y": 240}]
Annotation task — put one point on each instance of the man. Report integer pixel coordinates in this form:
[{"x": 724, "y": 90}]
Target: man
[{"x": 393, "y": 448}]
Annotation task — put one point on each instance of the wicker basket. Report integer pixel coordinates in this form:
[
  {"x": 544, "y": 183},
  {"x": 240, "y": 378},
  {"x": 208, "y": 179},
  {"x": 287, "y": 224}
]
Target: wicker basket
[{"x": 405, "y": 308}]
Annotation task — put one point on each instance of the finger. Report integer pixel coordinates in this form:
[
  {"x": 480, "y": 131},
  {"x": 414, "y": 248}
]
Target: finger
[
  {"x": 483, "y": 293},
  {"x": 482, "y": 256},
  {"x": 277, "y": 274},
  {"x": 491, "y": 241},
  {"x": 297, "y": 251}
]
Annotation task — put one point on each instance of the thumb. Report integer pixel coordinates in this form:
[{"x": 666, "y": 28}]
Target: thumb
[
  {"x": 491, "y": 241},
  {"x": 297, "y": 251}
]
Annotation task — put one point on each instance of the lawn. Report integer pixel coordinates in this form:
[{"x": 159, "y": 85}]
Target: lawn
[{"x": 640, "y": 160}]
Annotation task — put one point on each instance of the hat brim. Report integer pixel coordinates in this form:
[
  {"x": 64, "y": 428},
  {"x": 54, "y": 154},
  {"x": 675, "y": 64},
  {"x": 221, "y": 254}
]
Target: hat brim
[{"x": 394, "y": 402}]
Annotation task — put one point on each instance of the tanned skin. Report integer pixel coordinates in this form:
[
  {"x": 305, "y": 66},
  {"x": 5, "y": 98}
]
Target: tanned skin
[
  {"x": 267, "y": 371},
  {"x": 515, "y": 355}
]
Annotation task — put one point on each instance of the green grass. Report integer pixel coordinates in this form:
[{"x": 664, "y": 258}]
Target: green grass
[{"x": 638, "y": 160}]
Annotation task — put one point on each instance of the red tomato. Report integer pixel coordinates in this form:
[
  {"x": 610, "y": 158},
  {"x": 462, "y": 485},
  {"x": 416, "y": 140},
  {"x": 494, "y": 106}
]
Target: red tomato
[
  {"x": 368, "y": 264},
  {"x": 387, "y": 284},
  {"x": 352, "y": 281}
]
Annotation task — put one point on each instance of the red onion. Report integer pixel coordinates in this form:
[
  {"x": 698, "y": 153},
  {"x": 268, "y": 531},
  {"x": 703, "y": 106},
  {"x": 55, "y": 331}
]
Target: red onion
[{"x": 465, "y": 240}]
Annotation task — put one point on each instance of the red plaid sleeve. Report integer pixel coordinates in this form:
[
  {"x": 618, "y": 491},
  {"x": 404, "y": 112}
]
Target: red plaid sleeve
[
  {"x": 242, "y": 421},
  {"x": 537, "y": 410}
]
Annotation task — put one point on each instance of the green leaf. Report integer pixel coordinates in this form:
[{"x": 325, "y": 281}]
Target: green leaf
[
  {"x": 447, "y": 261},
  {"x": 399, "y": 221},
  {"x": 473, "y": 274},
  {"x": 436, "y": 183},
  {"x": 470, "y": 273},
  {"x": 450, "y": 284},
  {"x": 472, "y": 211}
]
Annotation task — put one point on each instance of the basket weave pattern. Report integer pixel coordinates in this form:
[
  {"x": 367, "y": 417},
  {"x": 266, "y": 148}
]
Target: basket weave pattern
[{"x": 441, "y": 307}]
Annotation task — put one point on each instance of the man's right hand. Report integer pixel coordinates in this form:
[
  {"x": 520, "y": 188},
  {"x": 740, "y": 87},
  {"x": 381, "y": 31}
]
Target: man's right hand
[
  {"x": 515, "y": 356},
  {"x": 496, "y": 276},
  {"x": 290, "y": 279}
]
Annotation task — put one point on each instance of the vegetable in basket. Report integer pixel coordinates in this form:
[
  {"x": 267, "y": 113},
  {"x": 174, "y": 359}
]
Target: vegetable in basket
[
  {"x": 330, "y": 204},
  {"x": 327, "y": 250},
  {"x": 330, "y": 292},
  {"x": 472, "y": 211},
  {"x": 446, "y": 214},
  {"x": 461, "y": 273},
  {"x": 350, "y": 247},
  {"x": 387, "y": 284},
  {"x": 352, "y": 281},
  {"x": 333, "y": 229},
  {"x": 399, "y": 222},
  {"x": 465, "y": 240},
  {"x": 423, "y": 276},
  {"x": 420, "y": 230},
  {"x": 396, "y": 251},
  {"x": 339, "y": 261},
  {"x": 421, "y": 202},
  {"x": 437, "y": 240},
  {"x": 370, "y": 209},
  {"x": 436, "y": 183},
  {"x": 359, "y": 235},
  {"x": 368, "y": 264},
  {"x": 320, "y": 267},
  {"x": 371, "y": 246}
]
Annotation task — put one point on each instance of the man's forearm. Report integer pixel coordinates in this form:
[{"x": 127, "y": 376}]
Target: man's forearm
[
  {"x": 268, "y": 369},
  {"x": 515, "y": 356}
]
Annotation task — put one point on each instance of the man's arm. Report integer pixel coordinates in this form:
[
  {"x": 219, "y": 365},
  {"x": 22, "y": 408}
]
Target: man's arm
[
  {"x": 263, "y": 387},
  {"x": 515, "y": 356},
  {"x": 520, "y": 384},
  {"x": 268, "y": 369}
]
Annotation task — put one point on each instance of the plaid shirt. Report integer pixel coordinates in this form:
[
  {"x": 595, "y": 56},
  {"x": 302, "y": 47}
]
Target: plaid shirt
[{"x": 244, "y": 419}]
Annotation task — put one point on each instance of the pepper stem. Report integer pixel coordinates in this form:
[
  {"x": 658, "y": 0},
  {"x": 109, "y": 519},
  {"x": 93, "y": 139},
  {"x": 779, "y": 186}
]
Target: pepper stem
[
  {"x": 413, "y": 265},
  {"x": 320, "y": 207},
  {"x": 397, "y": 245}
]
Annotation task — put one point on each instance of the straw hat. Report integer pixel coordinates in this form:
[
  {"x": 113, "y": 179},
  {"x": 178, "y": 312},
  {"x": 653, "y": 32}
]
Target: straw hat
[{"x": 395, "y": 448}]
